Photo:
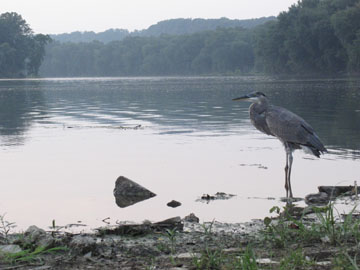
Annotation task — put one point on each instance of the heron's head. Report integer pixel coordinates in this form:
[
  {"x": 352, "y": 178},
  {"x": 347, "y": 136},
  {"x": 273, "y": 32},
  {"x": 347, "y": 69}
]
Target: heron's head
[{"x": 252, "y": 97}]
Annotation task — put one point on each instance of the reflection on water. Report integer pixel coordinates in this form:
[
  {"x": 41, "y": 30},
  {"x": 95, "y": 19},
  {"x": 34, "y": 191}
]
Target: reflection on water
[
  {"x": 68, "y": 135},
  {"x": 178, "y": 105}
]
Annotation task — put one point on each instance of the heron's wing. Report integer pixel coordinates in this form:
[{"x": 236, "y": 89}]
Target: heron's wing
[{"x": 291, "y": 128}]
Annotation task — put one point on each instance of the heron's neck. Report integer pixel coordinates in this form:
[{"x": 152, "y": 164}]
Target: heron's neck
[
  {"x": 262, "y": 102},
  {"x": 259, "y": 106}
]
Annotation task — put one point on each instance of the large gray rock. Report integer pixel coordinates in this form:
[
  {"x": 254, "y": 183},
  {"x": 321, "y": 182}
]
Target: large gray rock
[
  {"x": 36, "y": 236},
  {"x": 127, "y": 192}
]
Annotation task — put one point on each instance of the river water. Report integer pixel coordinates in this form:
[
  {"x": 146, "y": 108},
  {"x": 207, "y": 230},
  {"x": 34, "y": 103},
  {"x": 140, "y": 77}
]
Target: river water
[{"x": 64, "y": 142}]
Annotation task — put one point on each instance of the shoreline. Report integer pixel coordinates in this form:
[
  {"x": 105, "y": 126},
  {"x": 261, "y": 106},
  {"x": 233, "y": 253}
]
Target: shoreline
[{"x": 295, "y": 237}]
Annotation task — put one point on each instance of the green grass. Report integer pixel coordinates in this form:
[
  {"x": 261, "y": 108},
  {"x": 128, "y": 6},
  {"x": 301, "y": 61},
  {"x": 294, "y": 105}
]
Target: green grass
[
  {"x": 30, "y": 256},
  {"x": 296, "y": 260},
  {"x": 287, "y": 232}
]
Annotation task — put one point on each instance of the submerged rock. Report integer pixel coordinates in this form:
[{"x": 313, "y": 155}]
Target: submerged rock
[
  {"x": 127, "y": 192},
  {"x": 173, "y": 204}
]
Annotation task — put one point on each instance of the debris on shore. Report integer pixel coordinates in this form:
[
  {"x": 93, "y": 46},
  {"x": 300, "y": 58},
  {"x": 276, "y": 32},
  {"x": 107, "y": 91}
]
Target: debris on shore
[
  {"x": 327, "y": 193},
  {"x": 217, "y": 196}
]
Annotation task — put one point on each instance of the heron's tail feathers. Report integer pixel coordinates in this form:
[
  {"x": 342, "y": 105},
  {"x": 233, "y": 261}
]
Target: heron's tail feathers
[
  {"x": 315, "y": 145},
  {"x": 312, "y": 150}
]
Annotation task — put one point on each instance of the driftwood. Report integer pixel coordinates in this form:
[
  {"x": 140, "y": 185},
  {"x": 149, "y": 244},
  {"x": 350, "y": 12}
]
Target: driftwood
[
  {"x": 327, "y": 193},
  {"x": 145, "y": 228},
  {"x": 336, "y": 191}
]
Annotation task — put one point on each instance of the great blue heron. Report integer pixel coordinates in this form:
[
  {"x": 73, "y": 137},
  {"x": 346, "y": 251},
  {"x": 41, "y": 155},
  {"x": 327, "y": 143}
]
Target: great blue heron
[{"x": 288, "y": 127}]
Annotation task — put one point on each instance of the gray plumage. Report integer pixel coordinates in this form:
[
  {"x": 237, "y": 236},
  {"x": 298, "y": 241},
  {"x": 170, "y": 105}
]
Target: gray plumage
[{"x": 293, "y": 131}]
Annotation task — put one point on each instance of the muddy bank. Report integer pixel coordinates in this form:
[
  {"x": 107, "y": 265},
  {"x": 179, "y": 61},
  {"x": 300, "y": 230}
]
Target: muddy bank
[
  {"x": 294, "y": 237},
  {"x": 166, "y": 244}
]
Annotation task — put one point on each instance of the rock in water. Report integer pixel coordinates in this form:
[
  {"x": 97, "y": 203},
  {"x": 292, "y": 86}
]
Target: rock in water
[
  {"x": 127, "y": 192},
  {"x": 173, "y": 204}
]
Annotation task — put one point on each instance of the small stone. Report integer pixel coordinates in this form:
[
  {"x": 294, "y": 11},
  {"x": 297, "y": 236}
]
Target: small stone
[
  {"x": 325, "y": 239},
  {"x": 10, "y": 249},
  {"x": 192, "y": 218},
  {"x": 173, "y": 204},
  {"x": 170, "y": 223},
  {"x": 88, "y": 255},
  {"x": 83, "y": 244},
  {"x": 320, "y": 198},
  {"x": 323, "y": 263},
  {"x": 34, "y": 233},
  {"x": 266, "y": 261},
  {"x": 188, "y": 255}
]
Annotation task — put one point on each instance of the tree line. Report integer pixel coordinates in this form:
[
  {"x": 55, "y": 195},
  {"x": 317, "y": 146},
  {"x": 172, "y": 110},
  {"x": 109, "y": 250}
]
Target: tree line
[
  {"x": 21, "y": 52},
  {"x": 169, "y": 27},
  {"x": 202, "y": 53},
  {"x": 313, "y": 37}
]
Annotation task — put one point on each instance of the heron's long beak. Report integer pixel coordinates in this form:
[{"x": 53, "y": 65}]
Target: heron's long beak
[{"x": 242, "y": 98}]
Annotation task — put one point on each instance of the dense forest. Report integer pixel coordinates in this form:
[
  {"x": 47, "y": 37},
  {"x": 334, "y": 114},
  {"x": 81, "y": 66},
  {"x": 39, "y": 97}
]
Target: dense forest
[
  {"x": 314, "y": 37},
  {"x": 202, "y": 53},
  {"x": 169, "y": 27},
  {"x": 21, "y": 52}
]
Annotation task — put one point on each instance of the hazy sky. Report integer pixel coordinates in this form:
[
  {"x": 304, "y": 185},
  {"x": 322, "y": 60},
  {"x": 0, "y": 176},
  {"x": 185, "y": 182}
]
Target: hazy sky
[{"x": 59, "y": 16}]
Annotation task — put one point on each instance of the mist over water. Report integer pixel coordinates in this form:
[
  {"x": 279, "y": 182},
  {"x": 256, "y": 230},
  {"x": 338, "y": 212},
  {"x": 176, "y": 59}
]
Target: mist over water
[{"x": 63, "y": 143}]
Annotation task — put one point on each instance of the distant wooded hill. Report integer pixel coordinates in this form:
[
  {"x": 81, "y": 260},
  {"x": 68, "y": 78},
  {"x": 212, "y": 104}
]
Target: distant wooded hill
[
  {"x": 167, "y": 27},
  {"x": 312, "y": 37}
]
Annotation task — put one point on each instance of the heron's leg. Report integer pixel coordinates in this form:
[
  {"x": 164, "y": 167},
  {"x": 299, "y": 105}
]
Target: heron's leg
[
  {"x": 286, "y": 173},
  {"x": 289, "y": 172}
]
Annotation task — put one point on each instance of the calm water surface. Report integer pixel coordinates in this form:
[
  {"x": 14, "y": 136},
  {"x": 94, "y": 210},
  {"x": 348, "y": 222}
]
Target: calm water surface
[{"x": 64, "y": 142}]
